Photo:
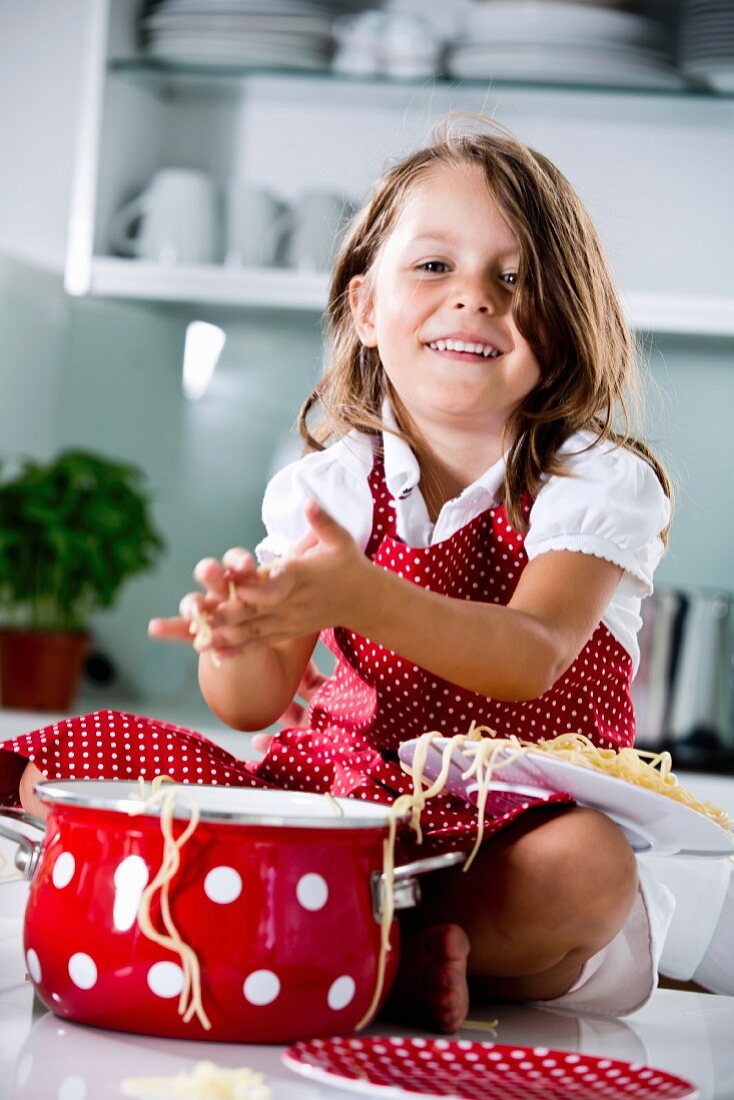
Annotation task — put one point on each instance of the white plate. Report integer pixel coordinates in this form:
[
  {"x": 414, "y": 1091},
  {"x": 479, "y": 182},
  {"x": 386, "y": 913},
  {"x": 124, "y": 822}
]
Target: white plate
[
  {"x": 238, "y": 7},
  {"x": 256, "y": 56},
  {"x": 604, "y": 52},
  {"x": 539, "y": 68},
  {"x": 225, "y": 24},
  {"x": 556, "y": 22},
  {"x": 651, "y": 822}
]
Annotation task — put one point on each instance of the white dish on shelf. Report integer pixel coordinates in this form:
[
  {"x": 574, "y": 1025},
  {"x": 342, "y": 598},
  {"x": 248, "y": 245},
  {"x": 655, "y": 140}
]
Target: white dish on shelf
[
  {"x": 306, "y": 40},
  {"x": 237, "y": 7},
  {"x": 254, "y": 55},
  {"x": 651, "y": 822},
  {"x": 226, "y": 24},
  {"x": 557, "y": 22},
  {"x": 559, "y": 66}
]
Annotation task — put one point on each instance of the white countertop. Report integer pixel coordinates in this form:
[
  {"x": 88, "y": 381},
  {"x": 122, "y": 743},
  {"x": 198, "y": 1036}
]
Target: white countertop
[{"x": 45, "y": 1058}]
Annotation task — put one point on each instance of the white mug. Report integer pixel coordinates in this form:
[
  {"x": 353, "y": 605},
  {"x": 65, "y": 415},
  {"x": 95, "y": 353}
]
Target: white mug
[
  {"x": 316, "y": 223},
  {"x": 255, "y": 221},
  {"x": 177, "y": 219}
]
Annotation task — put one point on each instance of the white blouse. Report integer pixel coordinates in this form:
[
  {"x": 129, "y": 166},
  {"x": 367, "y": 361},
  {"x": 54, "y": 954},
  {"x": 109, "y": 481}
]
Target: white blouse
[{"x": 612, "y": 506}]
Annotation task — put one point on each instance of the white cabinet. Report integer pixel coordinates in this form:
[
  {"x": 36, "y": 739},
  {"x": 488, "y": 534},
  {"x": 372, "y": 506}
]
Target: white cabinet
[
  {"x": 45, "y": 54},
  {"x": 654, "y": 168}
]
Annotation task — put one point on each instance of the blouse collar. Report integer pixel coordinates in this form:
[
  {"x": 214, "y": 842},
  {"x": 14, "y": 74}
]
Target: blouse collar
[{"x": 402, "y": 472}]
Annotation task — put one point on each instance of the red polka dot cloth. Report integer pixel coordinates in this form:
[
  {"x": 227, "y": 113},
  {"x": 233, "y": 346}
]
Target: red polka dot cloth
[
  {"x": 477, "y": 1071},
  {"x": 113, "y": 745},
  {"x": 373, "y": 701}
]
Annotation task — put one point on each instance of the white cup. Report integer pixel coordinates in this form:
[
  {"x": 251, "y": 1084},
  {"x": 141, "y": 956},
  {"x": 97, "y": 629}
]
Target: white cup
[
  {"x": 255, "y": 222},
  {"x": 316, "y": 223},
  {"x": 177, "y": 219}
]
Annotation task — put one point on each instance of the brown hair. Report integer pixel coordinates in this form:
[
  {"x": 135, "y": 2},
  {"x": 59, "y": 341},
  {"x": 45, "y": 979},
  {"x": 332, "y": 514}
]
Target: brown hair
[{"x": 564, "y": 286}]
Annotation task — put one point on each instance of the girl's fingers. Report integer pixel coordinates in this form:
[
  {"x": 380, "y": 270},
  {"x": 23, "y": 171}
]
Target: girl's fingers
[
  {"x": 210, "y": 574},
  {"x": 262, "y": 628},
  {"x": 306, "y": 542},
  {"x": 264, "y": 591},
  {"x": 294, "y": 715},
  {"x": 238, "y": 560},
  {"x": 192, "y": 605},
  {"x": 170, "y": 630},
  {"x": 311, "y": 681}
]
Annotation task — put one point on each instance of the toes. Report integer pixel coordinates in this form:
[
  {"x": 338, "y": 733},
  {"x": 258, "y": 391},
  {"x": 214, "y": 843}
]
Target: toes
[{"x": 449, "y": 941}]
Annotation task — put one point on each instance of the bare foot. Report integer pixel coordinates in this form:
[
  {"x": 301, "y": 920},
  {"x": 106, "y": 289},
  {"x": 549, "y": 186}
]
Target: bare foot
[
  {"x": 432, "y": 979},
  {"x": 28, "y": 798}
]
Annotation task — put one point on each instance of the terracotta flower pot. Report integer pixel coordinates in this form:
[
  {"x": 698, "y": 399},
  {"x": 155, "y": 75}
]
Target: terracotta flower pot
[{"x": 40, "y": 670}]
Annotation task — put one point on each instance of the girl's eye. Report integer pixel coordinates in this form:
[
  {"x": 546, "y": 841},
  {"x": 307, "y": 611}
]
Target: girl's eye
[
  {"x": 510, "y": 278},
  {"x": 434, "y": 267}
]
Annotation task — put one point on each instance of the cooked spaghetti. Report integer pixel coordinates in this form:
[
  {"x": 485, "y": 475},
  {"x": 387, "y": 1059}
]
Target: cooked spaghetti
[
  {"x": 190, "y": 1002},
  {"x": 490, "y": 754},
  {"x": 201, "y": 626},
  {"x": 205, "y": 1081}
]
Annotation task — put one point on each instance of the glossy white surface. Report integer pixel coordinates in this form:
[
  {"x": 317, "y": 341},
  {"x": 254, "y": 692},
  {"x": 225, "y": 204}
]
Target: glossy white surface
[{"x": 43, "y": 1057}]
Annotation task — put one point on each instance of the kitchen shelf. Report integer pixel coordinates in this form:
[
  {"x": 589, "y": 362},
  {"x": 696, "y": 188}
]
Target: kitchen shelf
[
  {"x": 679, "y": 314},
  {"x": 303, "y": 291},
  {"x": 275, "y": 288},
  {"x": 174, "y": 77}
]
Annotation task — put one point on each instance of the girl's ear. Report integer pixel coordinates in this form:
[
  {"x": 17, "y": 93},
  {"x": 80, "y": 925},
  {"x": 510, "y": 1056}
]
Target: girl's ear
[{"x": 362, "y": 307}]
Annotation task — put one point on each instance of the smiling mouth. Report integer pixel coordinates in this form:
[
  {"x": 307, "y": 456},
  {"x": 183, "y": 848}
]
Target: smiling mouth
[{"x": 461, "y": 349}]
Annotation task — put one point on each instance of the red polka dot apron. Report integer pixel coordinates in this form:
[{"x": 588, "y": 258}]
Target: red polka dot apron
[{"x": 373, "y": 701}]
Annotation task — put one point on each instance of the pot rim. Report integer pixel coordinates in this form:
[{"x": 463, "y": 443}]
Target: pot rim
[{"x": 356, "y": 814}]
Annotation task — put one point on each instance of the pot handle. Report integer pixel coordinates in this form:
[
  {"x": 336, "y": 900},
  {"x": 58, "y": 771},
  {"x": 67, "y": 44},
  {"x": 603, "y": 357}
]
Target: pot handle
[
  {"x": 29, "y": 851},
  {"x": 406, "y": 887}
]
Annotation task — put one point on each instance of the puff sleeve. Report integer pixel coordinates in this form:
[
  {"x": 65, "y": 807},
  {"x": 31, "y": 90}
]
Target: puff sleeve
[
  {"x": 611, "y": 505},
  {"x": 336, "y": 479}
]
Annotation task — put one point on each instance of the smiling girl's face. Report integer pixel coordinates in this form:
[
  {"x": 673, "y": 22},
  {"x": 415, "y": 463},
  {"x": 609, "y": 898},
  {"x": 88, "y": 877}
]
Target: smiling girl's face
[{"x": 446, "y": 272}]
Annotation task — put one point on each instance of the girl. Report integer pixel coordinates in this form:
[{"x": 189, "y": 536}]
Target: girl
[{"x": 471, "y": 536}]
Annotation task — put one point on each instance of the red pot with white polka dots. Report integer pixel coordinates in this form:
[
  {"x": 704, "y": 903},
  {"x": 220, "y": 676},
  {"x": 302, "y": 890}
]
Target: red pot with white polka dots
[{"x": 278, "y": 893}]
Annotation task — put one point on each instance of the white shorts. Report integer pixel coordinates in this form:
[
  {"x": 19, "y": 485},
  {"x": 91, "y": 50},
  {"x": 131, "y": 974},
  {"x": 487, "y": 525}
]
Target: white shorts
[{"x": 623, "y": 976}]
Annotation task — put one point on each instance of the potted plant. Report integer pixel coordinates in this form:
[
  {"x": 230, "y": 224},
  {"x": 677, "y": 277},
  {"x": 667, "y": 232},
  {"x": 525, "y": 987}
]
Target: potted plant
[{"x": 71, "y": 531}]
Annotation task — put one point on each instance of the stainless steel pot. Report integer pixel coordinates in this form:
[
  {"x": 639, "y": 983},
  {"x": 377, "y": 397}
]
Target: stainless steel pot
[{"x": 684, "y": 689}]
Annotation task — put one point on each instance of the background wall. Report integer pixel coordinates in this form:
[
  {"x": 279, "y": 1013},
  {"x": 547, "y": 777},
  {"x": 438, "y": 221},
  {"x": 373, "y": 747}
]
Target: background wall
[{"x": 107, "y": 375}]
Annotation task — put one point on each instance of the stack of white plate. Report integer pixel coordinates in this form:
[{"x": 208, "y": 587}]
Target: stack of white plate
[
  {"x": 707, "y": 42},
  {"x": 561, "y": 42},
  {"x": 292, "y": 34}
]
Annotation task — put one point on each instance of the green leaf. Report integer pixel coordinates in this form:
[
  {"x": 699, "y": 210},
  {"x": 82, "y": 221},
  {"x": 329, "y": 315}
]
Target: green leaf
[{"x": 71, "y": 532}]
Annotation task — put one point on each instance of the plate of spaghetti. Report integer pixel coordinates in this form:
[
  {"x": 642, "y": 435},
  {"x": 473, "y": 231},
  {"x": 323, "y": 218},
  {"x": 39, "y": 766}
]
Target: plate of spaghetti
[{"x": 636, "y": 789}]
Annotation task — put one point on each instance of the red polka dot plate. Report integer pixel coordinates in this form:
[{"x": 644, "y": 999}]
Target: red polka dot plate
[
  {"x": 651, "y": 821},
  {"x": 464, "y": 1070}
]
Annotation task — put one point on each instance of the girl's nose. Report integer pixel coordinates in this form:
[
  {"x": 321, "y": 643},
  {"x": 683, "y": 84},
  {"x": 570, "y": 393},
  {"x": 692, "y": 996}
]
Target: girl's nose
[{"x": 479, "y": 298}]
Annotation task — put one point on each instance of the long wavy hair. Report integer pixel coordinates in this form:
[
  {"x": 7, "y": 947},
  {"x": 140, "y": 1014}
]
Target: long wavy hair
[{"x": 589, "y": 367}]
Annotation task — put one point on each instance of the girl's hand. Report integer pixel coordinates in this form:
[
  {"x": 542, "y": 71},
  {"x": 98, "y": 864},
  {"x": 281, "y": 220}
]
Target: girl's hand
[
  {"x": 295, "y": 715},
  {"x": 218, "y": 580},
  {"x": 318, "y": 587}
]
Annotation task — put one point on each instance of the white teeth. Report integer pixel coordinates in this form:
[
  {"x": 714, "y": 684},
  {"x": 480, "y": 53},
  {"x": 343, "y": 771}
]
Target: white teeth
[{"x": 461, "y": 345}]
